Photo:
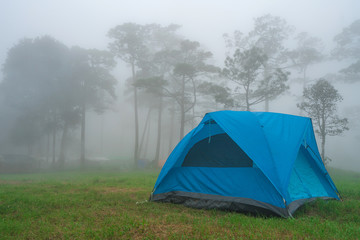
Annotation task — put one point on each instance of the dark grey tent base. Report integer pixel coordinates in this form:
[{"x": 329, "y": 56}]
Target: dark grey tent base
[{"x": 237, "y": 204}]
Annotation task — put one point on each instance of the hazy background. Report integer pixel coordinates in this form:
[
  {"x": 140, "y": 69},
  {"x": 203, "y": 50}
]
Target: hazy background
[{"x": 86, "y": 23}]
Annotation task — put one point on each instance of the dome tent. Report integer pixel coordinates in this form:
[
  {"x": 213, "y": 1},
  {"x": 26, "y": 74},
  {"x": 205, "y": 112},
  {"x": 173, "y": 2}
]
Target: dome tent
[{"x": 246, "y": 161}]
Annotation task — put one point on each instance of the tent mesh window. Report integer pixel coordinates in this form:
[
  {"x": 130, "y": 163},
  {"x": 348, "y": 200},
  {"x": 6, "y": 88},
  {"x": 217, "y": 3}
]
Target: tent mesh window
[{"x": 217, "y": 151}]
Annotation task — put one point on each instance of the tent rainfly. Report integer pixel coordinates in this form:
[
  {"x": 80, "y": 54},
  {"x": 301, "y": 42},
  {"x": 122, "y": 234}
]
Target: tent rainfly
[{"x": 246, "y": 161}]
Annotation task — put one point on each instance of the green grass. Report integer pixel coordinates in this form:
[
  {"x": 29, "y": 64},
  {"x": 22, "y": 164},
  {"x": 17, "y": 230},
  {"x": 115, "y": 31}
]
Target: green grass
[{"x": 111, "y": 205}]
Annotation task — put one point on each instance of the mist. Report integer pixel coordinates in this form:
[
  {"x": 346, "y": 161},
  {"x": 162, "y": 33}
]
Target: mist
[{"x": 110, "y": 134}]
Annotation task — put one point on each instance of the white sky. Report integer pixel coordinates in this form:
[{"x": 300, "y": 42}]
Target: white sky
[{"x": 86, "y": 22}]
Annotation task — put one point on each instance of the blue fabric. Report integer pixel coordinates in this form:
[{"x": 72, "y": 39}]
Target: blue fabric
[
  {"x": 271, "y": 140},
  {"x": 306, "y": 181},
  {"x": 284, "y": 134},
  {"x": 234, "y": 182}
]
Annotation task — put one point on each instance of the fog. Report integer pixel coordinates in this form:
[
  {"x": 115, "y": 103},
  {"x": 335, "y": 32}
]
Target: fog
[{"x": 111, "y": 135}]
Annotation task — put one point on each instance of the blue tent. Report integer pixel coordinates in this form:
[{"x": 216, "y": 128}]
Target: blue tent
[{"x": 246, "y": 161}]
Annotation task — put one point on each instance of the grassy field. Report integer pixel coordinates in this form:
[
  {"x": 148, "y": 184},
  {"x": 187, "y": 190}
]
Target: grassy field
[{"x": 102, "y": 204}]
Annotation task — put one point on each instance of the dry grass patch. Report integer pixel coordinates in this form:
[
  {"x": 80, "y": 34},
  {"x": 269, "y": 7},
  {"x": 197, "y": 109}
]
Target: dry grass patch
[
  {"x": 108, "y": 190},
  {"x": 14, "y": 182}
]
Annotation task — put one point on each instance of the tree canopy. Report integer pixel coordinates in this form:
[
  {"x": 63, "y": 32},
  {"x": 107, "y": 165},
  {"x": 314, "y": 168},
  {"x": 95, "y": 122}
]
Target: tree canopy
[
  {"x": 45, "y": 81},
  {"x": 348, "y": 47},
  {"x": 268, "y": 35},
  {"x": 320, "y": 103},
  {"x": 245, "y": 70}
]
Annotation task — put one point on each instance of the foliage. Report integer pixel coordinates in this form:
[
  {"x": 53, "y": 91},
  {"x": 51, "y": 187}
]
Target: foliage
[
  {"x": 100, "y": 83},
  {"x": 348, "y": 47},
  {"x": 174, "y": 70},
  {"x": 49, "y": 84},
  {"x": 320, "y": 103},
  {"x": 221, "y": 94},
  {"x": 111, "y": 204},
  {"x": 268, "y": 35},
  {"x": 130, "y": 43},
  {"x": 34, "y": 71},
  {"x": 309, "y": 51},
  {"x": 190, "y": 66},
  {"x": 245, "y": 69},
  {"x": 90, "y": 71}
]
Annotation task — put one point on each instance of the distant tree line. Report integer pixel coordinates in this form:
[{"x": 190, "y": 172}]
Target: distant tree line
[{"x": 48, "y": 88}]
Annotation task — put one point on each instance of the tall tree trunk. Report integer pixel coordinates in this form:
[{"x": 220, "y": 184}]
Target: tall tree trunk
[
  {"x": 267, "y": 104},
  {"x": 63, "y": 146},
  {"x": 157, "y": 153},
  {"x": 146, "y": 126},
  {"x": 193, "y": 118},
  {"x": 171, "y": 133},
  {"x": 182, "y": 109},
  {"x": 102, "y": 135},
  {"x": 304, "y": 78},
  {"x": 47, "y": 146},
  {"x": 146, "y": 141},
  {"x": 82, "y": 144},
  {"x": 136, "y": 147},
  {"x": 323, "y": 148},
  {"x": 29, "y": 149},
  {"x": 267, "y": 100},
  {"x": 54, "y": 144},
  {"x": 304, "y": 86},
  {"x": 247, "y": 99},
  {"x": 323, "y": 136}
]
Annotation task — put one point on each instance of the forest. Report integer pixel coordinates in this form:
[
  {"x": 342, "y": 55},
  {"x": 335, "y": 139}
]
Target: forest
[{"x": 51, "y": 92}]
